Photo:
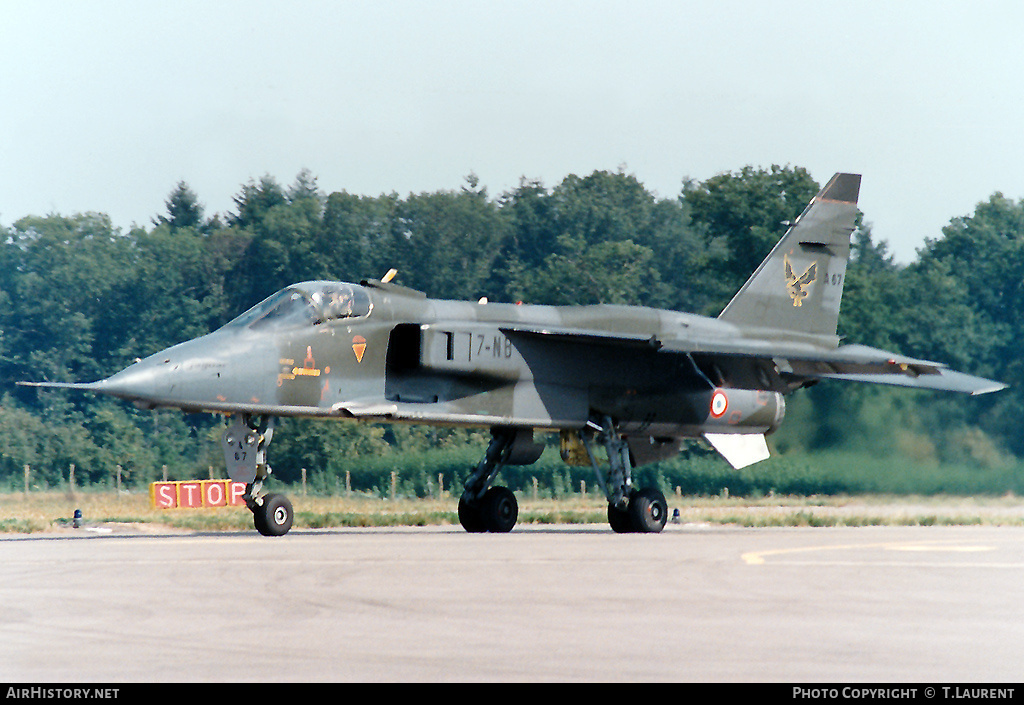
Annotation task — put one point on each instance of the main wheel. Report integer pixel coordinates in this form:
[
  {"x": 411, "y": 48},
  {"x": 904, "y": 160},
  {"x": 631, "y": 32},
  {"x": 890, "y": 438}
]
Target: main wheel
[
  {"x": 649, "y": 511},
  {"x": 470, "y": 517},
  {"x": 499, "y": 510},
  {"x": 274, "y": 517},
  {"x": 620, "y": 520}
]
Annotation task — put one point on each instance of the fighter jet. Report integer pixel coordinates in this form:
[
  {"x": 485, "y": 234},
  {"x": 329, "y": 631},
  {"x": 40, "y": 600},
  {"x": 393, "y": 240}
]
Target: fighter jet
[{"x": 634, "y": 380}]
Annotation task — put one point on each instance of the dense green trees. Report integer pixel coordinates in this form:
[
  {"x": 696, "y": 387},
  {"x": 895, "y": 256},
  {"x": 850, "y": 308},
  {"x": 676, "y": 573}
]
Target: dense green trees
[
  {"x": 747, "y": 213},
  {"x": 79, "y": 299}
]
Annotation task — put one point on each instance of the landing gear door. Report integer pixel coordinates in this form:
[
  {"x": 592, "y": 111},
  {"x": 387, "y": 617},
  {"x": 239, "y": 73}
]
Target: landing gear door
[{"x": 243, "y": 450}]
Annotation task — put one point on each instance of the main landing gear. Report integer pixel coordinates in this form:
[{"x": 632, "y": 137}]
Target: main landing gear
[
  {"x": 630, "y": 510},
  {"x": 484, "y": 508},
  {"x": 495, "y": 509},
  {"x": 245, "y": 452}
]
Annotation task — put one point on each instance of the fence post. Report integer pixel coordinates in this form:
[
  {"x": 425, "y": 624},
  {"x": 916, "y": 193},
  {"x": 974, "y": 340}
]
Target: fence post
[
  {"x": 118, "y": 485},
  {"x": 394, "y": 482},
  {"x": 26, "y": 481},
  {"x": 303, "y": 482},
  {"x": 71, "y": 479},
  {"x": 348, "y": 482}
]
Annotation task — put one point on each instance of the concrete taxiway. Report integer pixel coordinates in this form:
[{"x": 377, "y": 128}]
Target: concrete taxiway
[{"x": 695, "y": 603}]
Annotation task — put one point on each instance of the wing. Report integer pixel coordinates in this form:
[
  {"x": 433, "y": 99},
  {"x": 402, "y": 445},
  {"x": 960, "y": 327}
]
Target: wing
[{"x": 784, "y": 366}]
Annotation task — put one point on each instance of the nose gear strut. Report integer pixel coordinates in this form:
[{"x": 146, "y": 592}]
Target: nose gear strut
[{"x": 245, "y": 452}]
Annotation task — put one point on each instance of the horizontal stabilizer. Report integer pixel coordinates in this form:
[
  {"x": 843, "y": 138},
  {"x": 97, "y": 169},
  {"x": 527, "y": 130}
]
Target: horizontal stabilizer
[
  {"x": 860, "y": 363},
  {"x": 944, "y": 380},
  {"x": 739, "y": 449}
]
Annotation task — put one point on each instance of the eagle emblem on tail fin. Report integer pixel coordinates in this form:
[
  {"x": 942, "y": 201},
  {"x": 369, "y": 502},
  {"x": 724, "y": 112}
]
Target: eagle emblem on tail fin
[{"x": 797, "y": 285}]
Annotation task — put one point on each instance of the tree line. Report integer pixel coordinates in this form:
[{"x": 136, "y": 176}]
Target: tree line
[{"x": 80, "y": 299}]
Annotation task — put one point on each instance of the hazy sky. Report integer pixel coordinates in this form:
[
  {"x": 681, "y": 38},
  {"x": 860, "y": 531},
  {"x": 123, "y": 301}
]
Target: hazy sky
[{"x": 105, "y": 106}]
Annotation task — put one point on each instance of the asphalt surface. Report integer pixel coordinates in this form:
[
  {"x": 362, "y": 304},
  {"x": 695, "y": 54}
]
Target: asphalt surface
[{"x": 695, "y": 603}]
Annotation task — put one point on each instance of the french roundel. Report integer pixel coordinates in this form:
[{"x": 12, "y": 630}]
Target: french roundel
[{"x": 719, "y": 403}]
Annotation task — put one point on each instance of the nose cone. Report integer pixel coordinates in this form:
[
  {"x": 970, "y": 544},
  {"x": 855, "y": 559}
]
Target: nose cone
[
  {"x": 148, "y": 380},
  {"x": 208, "y": 372}
]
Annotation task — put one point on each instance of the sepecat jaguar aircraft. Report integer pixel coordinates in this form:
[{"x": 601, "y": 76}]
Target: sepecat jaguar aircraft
[{"x": 634, "y": 380}]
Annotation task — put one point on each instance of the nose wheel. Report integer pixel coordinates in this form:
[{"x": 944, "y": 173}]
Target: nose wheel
[
  {"x": 245, "y": 444},
  {"x": 274, "y": 517}
]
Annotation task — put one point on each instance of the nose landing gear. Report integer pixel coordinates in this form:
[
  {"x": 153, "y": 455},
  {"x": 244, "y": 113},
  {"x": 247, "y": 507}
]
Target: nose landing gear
[{"x": 245, "y": 452}]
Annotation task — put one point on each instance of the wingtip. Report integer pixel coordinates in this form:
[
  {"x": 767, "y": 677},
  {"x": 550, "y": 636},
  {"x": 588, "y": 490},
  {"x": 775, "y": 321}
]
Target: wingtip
[{"x": 994, "y": 387}]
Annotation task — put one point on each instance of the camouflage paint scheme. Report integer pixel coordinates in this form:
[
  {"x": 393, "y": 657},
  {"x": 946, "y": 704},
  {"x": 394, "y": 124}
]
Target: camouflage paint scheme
[
  {"x": 411, "y": 358},
  {"x": 382, "y": 352}
]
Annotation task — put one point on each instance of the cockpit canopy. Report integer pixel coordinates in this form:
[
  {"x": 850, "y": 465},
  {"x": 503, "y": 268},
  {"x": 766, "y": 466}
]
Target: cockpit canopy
[{"x": 309, "y": 303}]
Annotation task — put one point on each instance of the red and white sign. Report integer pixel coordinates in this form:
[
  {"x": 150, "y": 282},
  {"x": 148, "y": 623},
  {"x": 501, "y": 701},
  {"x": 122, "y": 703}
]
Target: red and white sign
[{"x": 196, "y": 494}]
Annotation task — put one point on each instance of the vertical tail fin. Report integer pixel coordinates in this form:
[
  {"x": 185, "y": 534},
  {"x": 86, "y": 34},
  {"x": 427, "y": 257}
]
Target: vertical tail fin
[{"x": 799, "y": 285}]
